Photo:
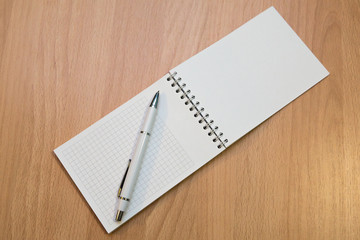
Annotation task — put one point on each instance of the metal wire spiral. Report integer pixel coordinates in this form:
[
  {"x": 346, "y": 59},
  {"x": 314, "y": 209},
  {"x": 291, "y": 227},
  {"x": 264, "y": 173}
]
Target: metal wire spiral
[{"x": 199, "y": 111}]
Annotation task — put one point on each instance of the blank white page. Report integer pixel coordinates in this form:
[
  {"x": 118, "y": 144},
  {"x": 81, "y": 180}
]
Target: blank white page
[{"x": 251, "y": 73}]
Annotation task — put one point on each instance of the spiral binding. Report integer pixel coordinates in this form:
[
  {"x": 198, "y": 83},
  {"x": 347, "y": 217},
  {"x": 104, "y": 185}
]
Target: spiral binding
[{"x": 199, "y": 111}]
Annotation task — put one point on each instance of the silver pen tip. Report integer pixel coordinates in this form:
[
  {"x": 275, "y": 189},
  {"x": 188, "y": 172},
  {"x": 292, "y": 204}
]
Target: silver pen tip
[{"x": 155, "y": 100}]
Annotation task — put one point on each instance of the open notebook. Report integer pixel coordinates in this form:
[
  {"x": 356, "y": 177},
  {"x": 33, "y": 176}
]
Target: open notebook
[{"x": 206, "y": 104}]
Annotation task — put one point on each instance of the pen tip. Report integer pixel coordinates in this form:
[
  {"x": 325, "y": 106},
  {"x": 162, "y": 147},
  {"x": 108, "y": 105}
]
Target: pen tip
[{"x": 155, "y": 100}]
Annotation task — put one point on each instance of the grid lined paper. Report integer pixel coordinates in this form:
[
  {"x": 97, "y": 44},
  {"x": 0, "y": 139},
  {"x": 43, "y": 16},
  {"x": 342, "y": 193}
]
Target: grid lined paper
[{"x": 99, "y": 159}]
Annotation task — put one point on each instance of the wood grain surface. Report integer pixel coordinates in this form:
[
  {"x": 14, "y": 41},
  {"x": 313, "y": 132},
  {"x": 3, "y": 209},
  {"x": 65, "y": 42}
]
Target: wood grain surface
[{"x": 65, "y": 64}]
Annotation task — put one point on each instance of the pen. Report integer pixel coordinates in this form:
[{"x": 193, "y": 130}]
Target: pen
[{"x": 131, "y": 173}]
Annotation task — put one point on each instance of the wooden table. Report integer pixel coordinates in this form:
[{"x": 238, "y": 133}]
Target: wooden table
[{"x": 65, "y": 64}]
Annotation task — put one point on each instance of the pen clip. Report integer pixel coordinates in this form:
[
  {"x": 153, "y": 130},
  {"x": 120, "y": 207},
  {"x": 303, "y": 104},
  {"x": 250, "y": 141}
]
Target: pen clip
[{"x": 123, "y": 180}]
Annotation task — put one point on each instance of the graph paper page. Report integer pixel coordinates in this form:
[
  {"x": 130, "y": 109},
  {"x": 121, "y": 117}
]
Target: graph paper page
[{"x": 96, "y": 159}]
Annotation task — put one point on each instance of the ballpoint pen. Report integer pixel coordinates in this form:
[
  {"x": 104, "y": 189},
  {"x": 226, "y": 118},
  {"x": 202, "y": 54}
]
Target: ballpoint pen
[{"x": 131, "y": 173}]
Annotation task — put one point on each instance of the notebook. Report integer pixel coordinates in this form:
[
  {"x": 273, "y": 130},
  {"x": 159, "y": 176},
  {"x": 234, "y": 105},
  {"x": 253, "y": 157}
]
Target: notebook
[{"x": 206, "y": 104}]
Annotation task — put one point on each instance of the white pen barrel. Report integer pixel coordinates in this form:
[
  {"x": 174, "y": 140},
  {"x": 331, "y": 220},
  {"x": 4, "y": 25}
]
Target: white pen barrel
[
  {"x": 134, "y": 168},
  {"x": 149, "y": 121}
]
